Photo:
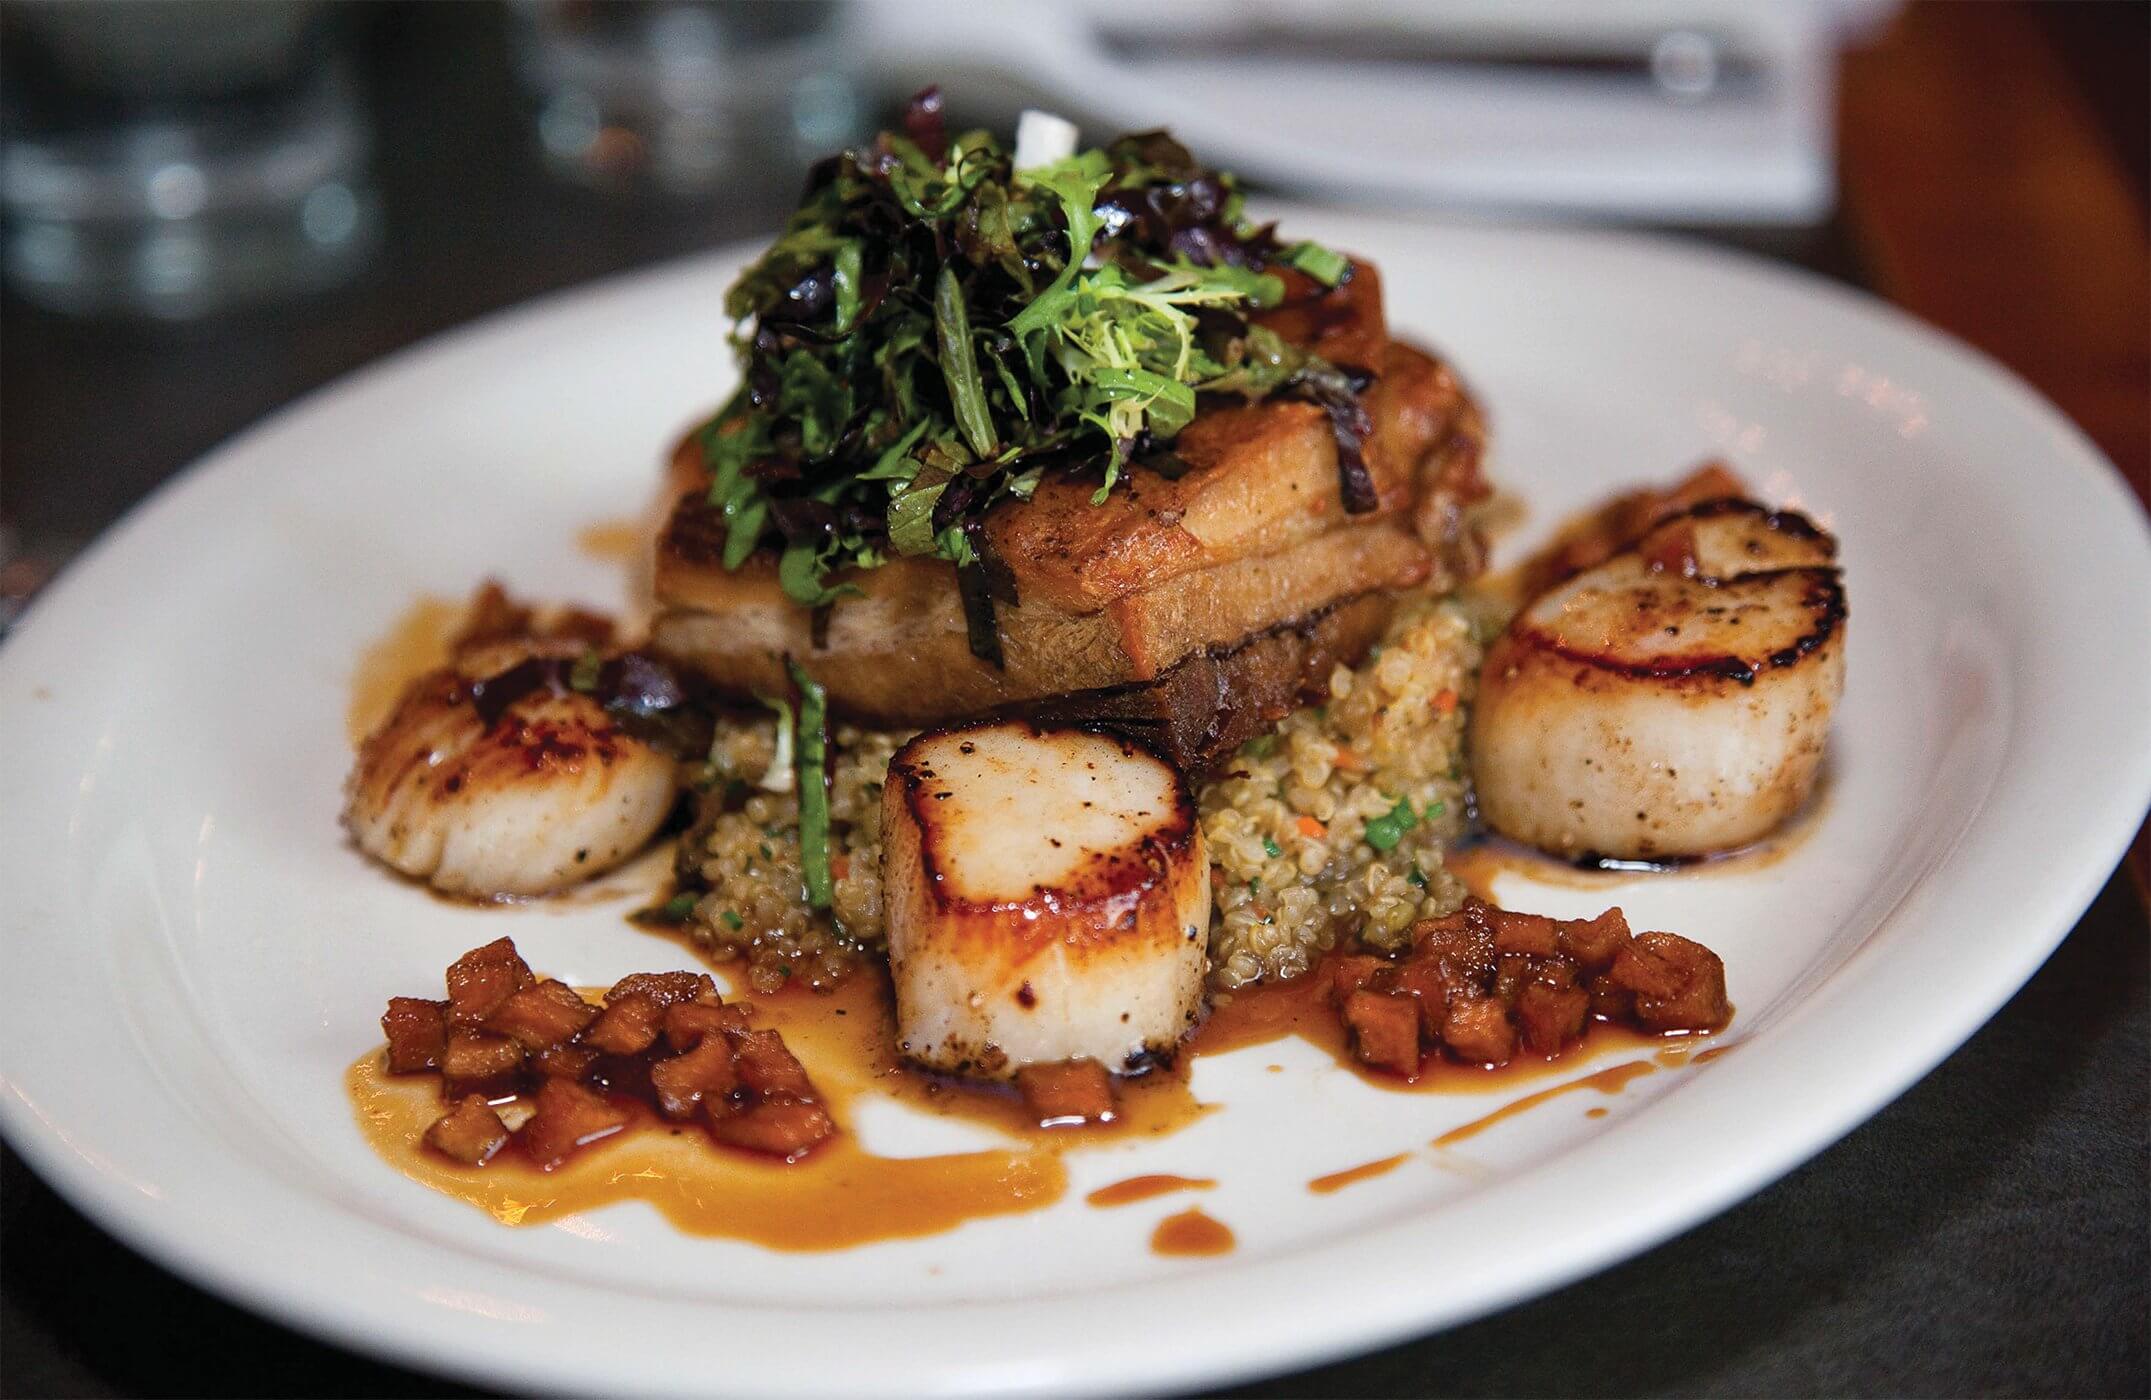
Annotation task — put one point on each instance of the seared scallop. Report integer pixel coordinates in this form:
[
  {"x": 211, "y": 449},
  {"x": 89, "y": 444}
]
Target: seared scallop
[
  {"x": 540, "y": 795},
  {"x": 1673, "y": 701},
  {"x": 1047, "y": 896}
]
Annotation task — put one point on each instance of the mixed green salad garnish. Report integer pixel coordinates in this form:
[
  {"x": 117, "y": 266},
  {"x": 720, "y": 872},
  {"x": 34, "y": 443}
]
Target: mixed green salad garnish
[{"x": 937, "y": 329}]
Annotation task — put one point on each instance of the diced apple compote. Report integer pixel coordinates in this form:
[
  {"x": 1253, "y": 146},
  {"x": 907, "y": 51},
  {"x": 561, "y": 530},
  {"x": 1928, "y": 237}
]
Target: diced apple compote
[{"x": 534, "y": 1065}]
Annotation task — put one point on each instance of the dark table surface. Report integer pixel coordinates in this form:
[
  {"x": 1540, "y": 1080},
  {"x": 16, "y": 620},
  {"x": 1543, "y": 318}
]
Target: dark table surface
[{"x": 1987, "y": 1233}]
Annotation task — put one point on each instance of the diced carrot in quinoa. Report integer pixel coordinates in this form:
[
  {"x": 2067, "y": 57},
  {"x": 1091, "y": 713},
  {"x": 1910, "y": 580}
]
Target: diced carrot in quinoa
[
  {"x": 471, "y": 1132},
  {"x": 684, "y": 1081},
  {"x": 781, "y": 1126},
  {"x": 1445, "y": 702},
  {"x": 1592, "y": 943},
  {"x": 1385, "y": 1030},
  {"x": 627, "y": 1026},
  {"x": 565, "y": 1061},
  {"x": 1678, "y": 985},
  {"x": 482, "y": 979},
  {"x": 1551, "y": 1010},
  {"x": 1068, "y": 1093},
  {"x": 1477, "y": 1030},
  {"x": 476, "y": 1058},
  {"x": 686, "y": 1023},
  {"x": 540, "y": 1016},
  {"x": 417, "y": 1032},
  {"x": 1311, "y": 829},
  {"x": 665, "y": 988},
  {"x": 767, "y": 1066},
  {"x": 569, "y": 1116}
]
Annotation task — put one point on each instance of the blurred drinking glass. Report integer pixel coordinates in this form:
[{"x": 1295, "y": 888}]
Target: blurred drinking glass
[
  {"x": 686, "y": 96},
  {"x": 174, "y": 157}
]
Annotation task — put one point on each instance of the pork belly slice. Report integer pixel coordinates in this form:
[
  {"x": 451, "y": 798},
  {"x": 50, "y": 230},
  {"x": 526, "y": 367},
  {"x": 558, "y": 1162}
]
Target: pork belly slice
[{"x": 900, "y": 653}]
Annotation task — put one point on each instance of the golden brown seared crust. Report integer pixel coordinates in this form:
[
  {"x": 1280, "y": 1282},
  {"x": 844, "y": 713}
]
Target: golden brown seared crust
[{"x": 1104, "y": 880}]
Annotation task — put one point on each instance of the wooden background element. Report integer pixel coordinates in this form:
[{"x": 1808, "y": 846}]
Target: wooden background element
[
  {"x": 1983, "y": 192},
  {"x": 1983, "y": 195}
]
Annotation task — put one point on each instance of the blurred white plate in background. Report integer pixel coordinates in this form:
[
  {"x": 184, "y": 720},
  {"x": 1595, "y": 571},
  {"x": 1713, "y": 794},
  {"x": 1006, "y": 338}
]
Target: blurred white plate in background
[{"x": 1667, "y": 111}]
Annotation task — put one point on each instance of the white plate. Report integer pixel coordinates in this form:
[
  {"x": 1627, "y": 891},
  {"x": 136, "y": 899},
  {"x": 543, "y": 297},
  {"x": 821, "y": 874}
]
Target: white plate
[{"x": 194, "y": 954}]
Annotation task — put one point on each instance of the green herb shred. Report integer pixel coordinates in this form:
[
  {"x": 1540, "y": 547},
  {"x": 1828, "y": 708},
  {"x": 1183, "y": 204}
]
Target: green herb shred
[{"x": 812, "y": 751}]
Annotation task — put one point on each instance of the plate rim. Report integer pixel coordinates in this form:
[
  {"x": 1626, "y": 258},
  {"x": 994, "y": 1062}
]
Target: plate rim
[{"x": 373, "y": 1328}]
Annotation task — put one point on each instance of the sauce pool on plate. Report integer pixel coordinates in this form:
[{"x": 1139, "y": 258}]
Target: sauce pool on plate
[
  {"x": 415, "y": 644},
  {"x": 840, "y": 1197},
  {"x": 843, "y": 1195},
  {"x": 1191, "y": 1233}
]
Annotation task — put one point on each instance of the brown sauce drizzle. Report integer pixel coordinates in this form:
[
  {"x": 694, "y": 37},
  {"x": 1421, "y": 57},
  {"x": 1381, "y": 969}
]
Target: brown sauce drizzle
[
  {"x": 1337, "y": 1181},
  {"x": 1191, "y": 1233},
  {"x": 416, "y": 644},
  {"x": 1611, "y": 1080},
  {"x": 839, "y": 1197},
  {"x": 1143, "y": 1188},
  {"x": 844, "y": 1196}
]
